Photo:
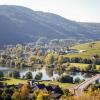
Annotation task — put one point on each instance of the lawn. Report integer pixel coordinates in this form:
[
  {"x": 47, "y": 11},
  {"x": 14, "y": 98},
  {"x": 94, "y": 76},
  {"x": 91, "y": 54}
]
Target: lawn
[
  {"x": 86, "y": 46},
  {"x": 90, "y": 51},
  {"x": 17, "y": 81},
  {"x": 14, "y": 81},
  {"x": 79, "y": 65},
  {"x": 62, "y": 85},
  {"x": 82, "y": 66}
]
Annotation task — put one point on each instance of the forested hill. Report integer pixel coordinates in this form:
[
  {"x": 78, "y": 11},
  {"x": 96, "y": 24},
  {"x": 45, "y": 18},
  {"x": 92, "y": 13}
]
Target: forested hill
[{"x": 19, "y": 25}]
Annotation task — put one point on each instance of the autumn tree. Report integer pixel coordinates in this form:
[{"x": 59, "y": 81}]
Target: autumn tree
[
  {"x": 24, "y": 92},
  {"x": 16, "y": 95},
  {"x": 60, "y": 59},
  {"x": 49, "y": 59},
  {"x": 42, "y": 95}
]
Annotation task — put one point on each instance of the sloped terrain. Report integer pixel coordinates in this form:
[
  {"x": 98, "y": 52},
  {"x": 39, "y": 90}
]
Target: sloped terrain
[{"x": 19, "y": 25}]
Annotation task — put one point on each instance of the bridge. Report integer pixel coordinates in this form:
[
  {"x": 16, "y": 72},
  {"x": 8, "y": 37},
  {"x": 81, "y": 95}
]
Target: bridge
[{"x": 82, "y": 86}]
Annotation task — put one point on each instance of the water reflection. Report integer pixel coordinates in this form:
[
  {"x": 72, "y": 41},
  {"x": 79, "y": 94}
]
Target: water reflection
[
  {"x": 48, "y": 73},
  {"x": 88, "y": 75},
  {"x": 59, "y": 72}
]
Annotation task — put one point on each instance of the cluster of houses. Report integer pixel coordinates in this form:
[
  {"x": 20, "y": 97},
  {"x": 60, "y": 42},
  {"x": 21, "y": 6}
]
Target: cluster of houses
[
  {"x": 54, "y": 91},
  {"x": 32, "y": 48}
]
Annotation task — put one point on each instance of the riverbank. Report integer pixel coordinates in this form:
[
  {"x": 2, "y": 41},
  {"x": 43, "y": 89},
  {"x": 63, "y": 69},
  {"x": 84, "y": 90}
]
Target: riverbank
[
  {"x": 62, "y": 85},
  {"x": 11, "y": 81}
]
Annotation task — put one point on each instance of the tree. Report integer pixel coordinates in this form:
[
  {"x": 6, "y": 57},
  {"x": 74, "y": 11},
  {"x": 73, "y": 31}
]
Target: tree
[
  {"x": 77, "y": 80},
  {"x": 31, "y": 60},
  {"x": 1, "y": 74},
  {"x": 16, "y": 95},
  {"x": 64, "y": 78},
  {"x": 88, "y": 67},
  {"x": 49, "y": 59},
  {"x": 25, "y": 92},
  {"x": 42, "y": 95},
  {"x": 91, "y": 90},
  {"x": 93, "y": 67},
  {"x": 10, "y": 74},
  {"x": 16, "y": 74},
  {"x": 38, "y": 76},
  {"x": 29, "y": 75},
  {"x": 60, "y": 59},
  {"x": 66, "y": 92},
  {"x": 94, "y": 60},
  {"x": 4, "y": 95},
  {"x": 35, "y": 94}
]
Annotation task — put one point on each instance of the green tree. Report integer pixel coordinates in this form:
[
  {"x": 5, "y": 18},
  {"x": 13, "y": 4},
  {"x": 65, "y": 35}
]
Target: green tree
[
  {"x": 15, "y": 74},
  {"x": 1, "y": 74},
  {"x": 38, "y": 76},
  {"x": 64, "y": 78},
  {"x": 66, "y": 92},
  {"x": 29, "y": 75},
  {"x": 88, "y": 67},
  {"x": 95, "y": 58},
  {"x": 77, "y": 80}
]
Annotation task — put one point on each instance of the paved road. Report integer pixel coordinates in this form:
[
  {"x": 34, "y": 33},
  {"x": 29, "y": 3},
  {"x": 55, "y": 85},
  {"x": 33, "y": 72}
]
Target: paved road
[{"x": 82, "y": 86}]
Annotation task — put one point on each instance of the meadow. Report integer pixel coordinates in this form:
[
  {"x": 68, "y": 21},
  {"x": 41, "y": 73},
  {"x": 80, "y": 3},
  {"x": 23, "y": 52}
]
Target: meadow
[{"x": 91, "y": 49}]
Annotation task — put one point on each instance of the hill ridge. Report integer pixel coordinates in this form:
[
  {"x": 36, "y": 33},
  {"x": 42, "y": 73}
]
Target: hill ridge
[{"x": 20, "y": 24}]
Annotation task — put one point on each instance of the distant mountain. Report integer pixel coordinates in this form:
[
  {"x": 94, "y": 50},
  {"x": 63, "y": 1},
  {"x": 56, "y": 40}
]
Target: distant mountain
[{"x": 19, "y": 25}]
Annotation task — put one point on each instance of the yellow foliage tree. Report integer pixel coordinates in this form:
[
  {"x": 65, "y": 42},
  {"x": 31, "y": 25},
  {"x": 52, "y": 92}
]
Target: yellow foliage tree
[
  {"x": 24, "y": 92},
  {"x": 16, "y": 95},
  {"x": 49, "y": 59}
]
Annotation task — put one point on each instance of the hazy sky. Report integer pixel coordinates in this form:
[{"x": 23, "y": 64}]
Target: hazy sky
[{"x": 79, "y": 10}]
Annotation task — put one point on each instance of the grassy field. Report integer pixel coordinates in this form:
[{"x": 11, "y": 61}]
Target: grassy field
[
  {"x": 95, "y": 49},
  {"x": 19, "y": 81},
  {"x": 62, "y": 85},
  {"x": 14, "y": 81},
  {"x": 82, "y": 66}
]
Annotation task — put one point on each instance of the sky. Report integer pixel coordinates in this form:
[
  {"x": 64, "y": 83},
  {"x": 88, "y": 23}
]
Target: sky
[{"x": 77, "y": 10}]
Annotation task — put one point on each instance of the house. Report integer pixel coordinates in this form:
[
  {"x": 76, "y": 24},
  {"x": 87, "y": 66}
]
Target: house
[
  {"x": 54, "y": 88},
  {"x": 50, "y": 88},
  {"x": 39, "y": 86},
  {"x": 81, "y": 51},
  {"x": 55, "y": 96},
  {"x": 31, "y": 82},
  {"x": 71, "y": 51}
]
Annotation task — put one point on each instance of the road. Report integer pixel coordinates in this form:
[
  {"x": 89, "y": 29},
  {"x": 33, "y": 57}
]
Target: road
[{"x": 82, "y": 86}]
